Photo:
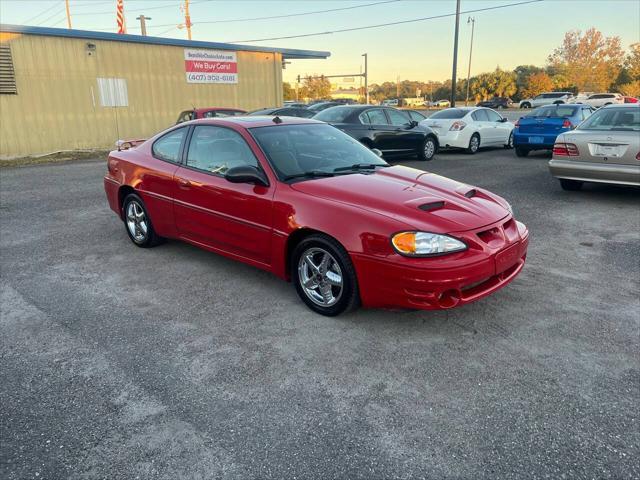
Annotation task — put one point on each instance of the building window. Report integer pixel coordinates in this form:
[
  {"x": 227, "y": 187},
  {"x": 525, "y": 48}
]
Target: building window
[
  {"x": 7, "y": 74},
  {"x": 113, "y": 92}
]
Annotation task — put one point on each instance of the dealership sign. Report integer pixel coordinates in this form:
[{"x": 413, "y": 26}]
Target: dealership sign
[{"x": 210, "y": 66}]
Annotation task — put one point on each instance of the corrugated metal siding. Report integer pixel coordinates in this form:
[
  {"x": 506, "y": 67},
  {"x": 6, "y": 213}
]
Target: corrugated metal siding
[{"x": 58, "y": 104}]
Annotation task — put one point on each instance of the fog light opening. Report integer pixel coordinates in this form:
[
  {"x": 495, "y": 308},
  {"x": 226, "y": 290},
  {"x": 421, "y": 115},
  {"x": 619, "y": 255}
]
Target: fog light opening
[{"x": 449, "y": 298}]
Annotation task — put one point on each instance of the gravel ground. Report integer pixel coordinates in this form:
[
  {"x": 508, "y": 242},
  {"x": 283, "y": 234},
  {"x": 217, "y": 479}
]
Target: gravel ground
[{"x": 174, "y": 363}]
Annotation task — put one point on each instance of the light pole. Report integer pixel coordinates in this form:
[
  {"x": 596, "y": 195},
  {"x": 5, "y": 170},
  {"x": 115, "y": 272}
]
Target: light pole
[
  {"x": 472, "y": 21},
  {"x": 455, "y": 56},
  {"x": 366, "y": 79}
]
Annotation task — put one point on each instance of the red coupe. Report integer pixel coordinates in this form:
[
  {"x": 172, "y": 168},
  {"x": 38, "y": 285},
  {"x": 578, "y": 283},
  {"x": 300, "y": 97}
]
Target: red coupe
[{"x": 305, "y": 201}]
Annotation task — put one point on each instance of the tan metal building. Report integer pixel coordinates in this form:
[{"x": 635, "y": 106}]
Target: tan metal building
[{"x": 64, "y": 89}]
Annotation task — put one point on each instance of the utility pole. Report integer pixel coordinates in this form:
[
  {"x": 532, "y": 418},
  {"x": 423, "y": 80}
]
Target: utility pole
[
  {"x": 398, "y": 88},
  {"x": 455, "y": 56},
  {"x": 187, "y": 18},
  {"x": 472, "y": 21},
  {"x": 66, "y": 2},
  {"x": 366, "y": 78},
  {"x": 143, "y": 24}
]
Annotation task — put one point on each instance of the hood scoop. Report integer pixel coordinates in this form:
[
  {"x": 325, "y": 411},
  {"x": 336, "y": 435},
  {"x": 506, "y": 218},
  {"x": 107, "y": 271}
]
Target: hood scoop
[
  {"x": 471, "y": 193},
  {"x": 427, "y": 207}
]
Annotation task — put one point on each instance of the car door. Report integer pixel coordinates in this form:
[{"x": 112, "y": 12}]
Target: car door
[
  {"x": 539, "y": 100},
  {"x": 382, "y": 133},
  {"x": 482, "y": 125},
  {"x": 211, "y": 211},
  {"x": 501, "y": 129},
  {"x": 406, "y": 137}
]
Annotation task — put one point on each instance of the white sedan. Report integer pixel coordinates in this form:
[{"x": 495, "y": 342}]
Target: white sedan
[{"x": 471, "y": 128}]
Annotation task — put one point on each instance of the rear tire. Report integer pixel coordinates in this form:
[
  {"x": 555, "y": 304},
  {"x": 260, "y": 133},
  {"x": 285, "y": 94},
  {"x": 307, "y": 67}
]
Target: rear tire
[
  {"x": 509, "y": 144},
  {"x": 474, "y": 144},
  {"x": 521, "y": 152},
  {"x": 570, "y": 185},
  {"x": 331, "y": 289},
  {"x": 428, "y": 149},
  {"x": 138, "y": 224},
  {"x": 525, "y": 105}
]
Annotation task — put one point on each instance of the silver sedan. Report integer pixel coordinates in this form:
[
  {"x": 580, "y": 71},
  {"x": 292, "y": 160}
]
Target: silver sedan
[{"x": 605, "y": 148}]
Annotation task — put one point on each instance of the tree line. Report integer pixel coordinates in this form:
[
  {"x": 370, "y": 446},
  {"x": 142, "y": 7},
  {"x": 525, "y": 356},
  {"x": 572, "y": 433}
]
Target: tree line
[{"x": 584, "y": 62}]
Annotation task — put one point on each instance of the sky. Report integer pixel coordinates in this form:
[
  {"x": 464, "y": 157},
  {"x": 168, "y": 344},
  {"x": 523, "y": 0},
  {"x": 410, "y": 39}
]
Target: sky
[{"x": 505, "y": 37}]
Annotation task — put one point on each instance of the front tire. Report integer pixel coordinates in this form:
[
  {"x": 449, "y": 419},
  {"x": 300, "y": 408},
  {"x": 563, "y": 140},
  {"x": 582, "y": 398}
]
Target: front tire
[
  {"x": 428, "y": 149},
  {"x": 521, "y": 152},
  {"x": 474, "y": 144},
  {"x": 525, "y": 105},
  {"x": 324, "y": 276},
  {"x": 570, "y": 185},
  {"x": 137, "y": 222}
]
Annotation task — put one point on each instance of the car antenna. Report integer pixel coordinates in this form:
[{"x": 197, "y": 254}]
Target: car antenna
[{"x": 277, "y": 119}]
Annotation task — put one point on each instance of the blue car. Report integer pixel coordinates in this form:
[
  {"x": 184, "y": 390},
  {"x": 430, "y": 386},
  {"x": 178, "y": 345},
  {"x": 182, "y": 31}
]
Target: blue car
[{"x": 538, "y": 130}]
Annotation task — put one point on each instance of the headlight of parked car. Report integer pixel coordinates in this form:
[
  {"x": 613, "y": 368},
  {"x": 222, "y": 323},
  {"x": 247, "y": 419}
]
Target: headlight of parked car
[{"x": 422, "y": 244}]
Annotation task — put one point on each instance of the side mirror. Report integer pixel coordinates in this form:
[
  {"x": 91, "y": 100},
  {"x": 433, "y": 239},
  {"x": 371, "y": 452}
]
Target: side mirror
[
  {"x": 413, "y": 124},
  {"x": 246, "y": 174},
  {"x": 377, "y": 152},
  {"x": 502, "y": 120}
]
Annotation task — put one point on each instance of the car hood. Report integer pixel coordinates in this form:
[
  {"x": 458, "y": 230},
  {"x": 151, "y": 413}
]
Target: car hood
[{"x": 421, "y": 200}]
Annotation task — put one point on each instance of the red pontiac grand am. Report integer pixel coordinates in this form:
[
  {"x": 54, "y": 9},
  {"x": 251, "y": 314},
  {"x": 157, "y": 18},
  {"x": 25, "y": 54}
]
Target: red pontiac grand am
[{"x": 301, "y": 199}]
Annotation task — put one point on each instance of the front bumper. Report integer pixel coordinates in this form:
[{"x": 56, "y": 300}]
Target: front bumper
[
  {"x": 448, "y": 281},
  {"x": 595, "y": 172}
]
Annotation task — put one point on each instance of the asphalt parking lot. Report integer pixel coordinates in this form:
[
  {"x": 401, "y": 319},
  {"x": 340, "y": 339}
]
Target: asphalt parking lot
[{"x": 175, "y": 363}]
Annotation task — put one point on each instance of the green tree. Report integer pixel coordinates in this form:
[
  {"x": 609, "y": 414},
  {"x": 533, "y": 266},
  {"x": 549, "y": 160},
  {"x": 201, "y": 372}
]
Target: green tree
[
  {"x": 316, "y": 87},
  {"x": 523, "y": 72},
  {"x": 590, "y": 61},
  {"x": 500, "y": 83},
  {"x": 288, "y": 93}
]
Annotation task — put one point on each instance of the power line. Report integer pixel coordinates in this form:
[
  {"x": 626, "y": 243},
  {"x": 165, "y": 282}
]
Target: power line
[
  {"x": 401, "y": 22},
  {"x": 46, "y": 10},
  {"x": 235, "y": 20},
  {"x": 55, "y": 14},
  {"x": 292, "y": 14}
]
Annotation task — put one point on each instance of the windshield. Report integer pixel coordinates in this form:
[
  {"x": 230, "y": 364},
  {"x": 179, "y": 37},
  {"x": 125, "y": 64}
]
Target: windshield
[
  {"x": 298, "y": 149},
  {"x": 450, "y": 113},
  {"x": 624, "y": 119},
  {"x": 553, "y": 111},
  {"x": 334, "y": 114}
]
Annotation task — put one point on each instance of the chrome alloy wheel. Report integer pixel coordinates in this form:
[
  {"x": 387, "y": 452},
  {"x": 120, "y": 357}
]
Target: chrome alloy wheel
[
  {"x": 510, "y": 141},
  {"x": 474, "y": 143},
  {"x": 320, "y": 277},
  {"x": 137, "y": 222},
  {"x": 429, "y": 148}
]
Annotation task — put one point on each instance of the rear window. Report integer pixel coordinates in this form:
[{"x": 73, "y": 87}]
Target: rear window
[
  {"x": 334, "y": 114},
  {"x": 450, "y": 113},
  {"x": 620, "y": 119},
  {"x": 553, "y": 111}
]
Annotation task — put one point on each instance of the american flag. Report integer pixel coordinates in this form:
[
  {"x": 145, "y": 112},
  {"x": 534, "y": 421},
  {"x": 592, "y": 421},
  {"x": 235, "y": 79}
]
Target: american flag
[{"x": 120, "y": 17}]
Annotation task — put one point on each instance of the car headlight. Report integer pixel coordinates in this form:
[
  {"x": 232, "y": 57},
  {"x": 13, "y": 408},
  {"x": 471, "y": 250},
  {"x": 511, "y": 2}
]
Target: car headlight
[{"x": 421, "y": 244}]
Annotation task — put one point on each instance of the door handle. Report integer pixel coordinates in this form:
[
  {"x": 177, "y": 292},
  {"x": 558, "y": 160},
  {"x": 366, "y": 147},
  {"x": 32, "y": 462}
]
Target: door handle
[{"x": 184, "y": 183}]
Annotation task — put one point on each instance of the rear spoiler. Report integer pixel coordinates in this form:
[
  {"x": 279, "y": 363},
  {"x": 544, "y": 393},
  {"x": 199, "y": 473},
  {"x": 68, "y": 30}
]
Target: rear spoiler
[{"x": 127, "y": 144}]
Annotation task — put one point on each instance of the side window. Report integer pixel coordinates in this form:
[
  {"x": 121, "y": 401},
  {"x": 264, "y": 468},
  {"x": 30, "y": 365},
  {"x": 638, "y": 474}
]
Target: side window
[
  {"x": 377, "y": 117},
  {"x": 480, "y": 116},
  {"x": 217, "y": 149},
  {"x": 364, "y": 118},
  {"x": 417, "y": 116},
  {"x": 167, "y": 147},
  {"x": 210, "y": 114},
  {"x": 185, "y": 116},
  {"x": 493, "y": 116},
  {"x": 397, "y": 118}
]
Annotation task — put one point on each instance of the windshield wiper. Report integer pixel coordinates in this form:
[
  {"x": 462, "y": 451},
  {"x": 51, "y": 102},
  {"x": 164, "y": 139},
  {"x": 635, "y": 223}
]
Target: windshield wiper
[
  {"x": 361, "y": 166},
  {"x": 309, "y": 174}
]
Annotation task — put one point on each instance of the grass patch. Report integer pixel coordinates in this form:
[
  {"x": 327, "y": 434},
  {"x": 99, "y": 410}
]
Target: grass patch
[{"x": 58, "y": 157}]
